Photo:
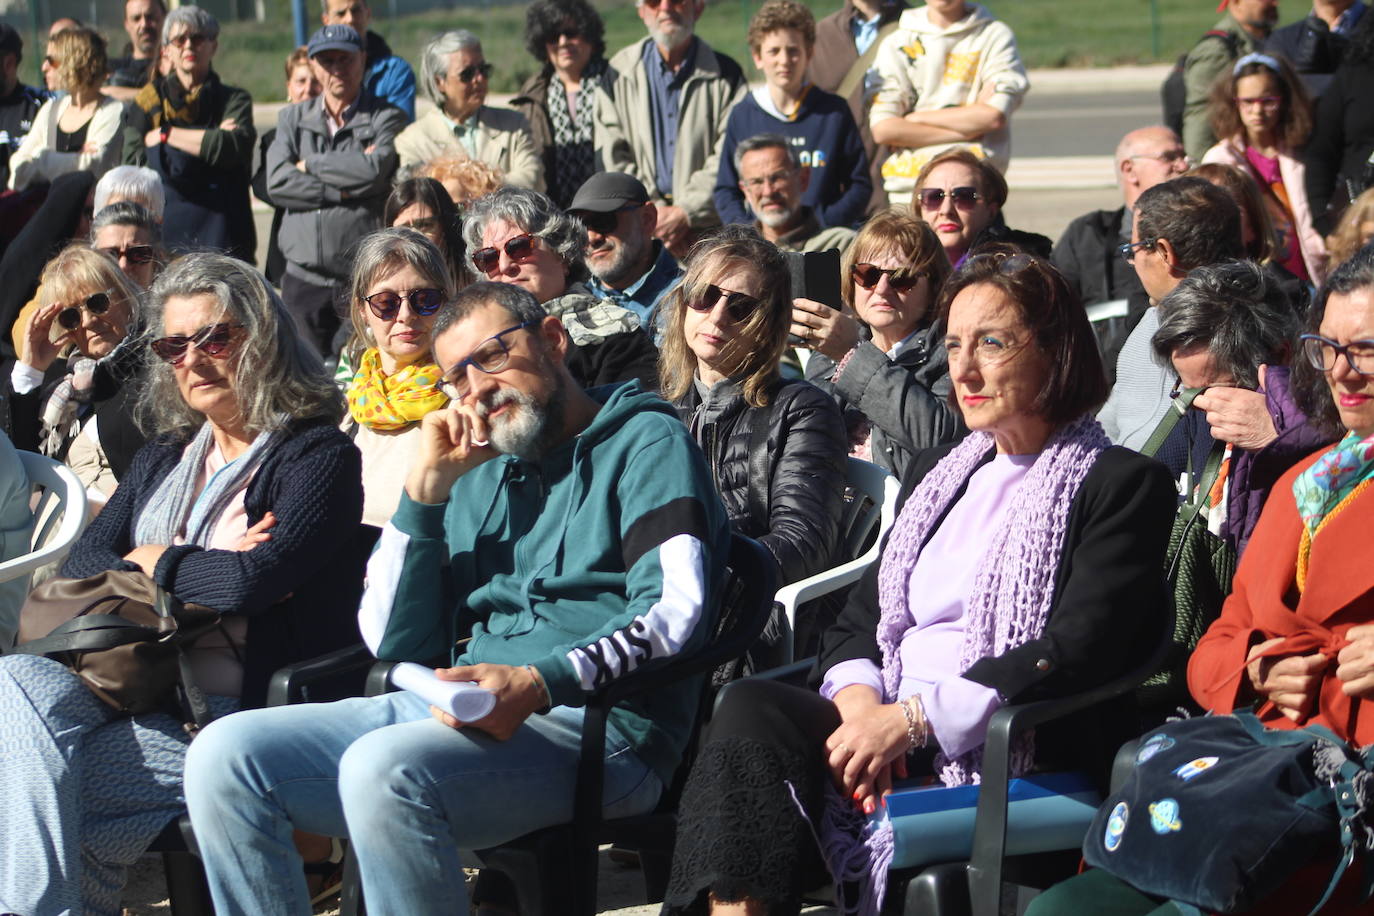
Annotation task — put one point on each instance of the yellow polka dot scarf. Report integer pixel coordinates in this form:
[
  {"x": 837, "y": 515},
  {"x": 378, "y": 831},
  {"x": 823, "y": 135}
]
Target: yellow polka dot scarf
[{"x": 380, "y": 401}]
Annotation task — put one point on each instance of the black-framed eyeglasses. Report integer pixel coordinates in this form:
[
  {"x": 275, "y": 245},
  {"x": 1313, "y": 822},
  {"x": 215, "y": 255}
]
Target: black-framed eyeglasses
[
  {"x": 603, "y": 223},
  {"x": 212, "y": 340},
  {"x": 491, "y": 356},
  {"x": 1128, "y": 250},
  {"x": 964, "y": 197},
  {"x": 868, "y": 275},
  {"x": 517, "y": 249},
  {"x": 1322, "y": 352},
  {"x": 96, "y": 304},
  {"x": 135, "y": 254},
  {"x": 386, "y": 305},
  {"x": 472, "y": 71},
  {"x": 739, "y": 306}
]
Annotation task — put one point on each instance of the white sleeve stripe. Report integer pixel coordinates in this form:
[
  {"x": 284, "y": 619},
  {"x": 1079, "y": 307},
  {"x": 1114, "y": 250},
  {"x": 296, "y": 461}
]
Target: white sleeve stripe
[
  {"x": 661, "y": 631},
  {"x": 383, "y": 579}
]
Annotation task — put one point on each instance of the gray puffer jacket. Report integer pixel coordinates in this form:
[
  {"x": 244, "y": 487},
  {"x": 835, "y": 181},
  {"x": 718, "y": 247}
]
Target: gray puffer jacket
[
  {"x": 338, "y": 199},
  {"x": 905, "y": 400}
]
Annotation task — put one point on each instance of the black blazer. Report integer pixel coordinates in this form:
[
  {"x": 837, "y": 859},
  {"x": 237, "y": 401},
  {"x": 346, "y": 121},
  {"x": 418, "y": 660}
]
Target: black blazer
[{"x": 1108, "y": 611}]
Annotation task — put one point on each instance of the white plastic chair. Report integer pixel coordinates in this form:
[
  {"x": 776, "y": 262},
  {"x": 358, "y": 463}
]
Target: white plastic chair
[
  {"x": 874, "y": 503},
  {"x": 61, "y": 496},
  {"x": 1108, "y": 320}
]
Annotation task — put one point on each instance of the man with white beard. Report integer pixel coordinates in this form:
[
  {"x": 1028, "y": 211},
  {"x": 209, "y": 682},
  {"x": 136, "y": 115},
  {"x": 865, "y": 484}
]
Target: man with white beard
[{"x": 773, "y": 181}]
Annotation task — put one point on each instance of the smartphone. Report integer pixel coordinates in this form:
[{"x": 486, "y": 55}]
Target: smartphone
[{"x": 815, "y": 276}]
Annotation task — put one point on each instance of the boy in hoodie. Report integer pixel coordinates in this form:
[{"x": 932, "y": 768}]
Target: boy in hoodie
[
  {"x": 951, "y": 77},
  {"x": 818, "y": 125},
  {"x": 551, "y": 540}
]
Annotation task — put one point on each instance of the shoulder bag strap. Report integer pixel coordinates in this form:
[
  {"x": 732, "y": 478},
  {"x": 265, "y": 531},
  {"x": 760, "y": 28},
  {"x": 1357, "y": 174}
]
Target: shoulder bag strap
[
  {"x": 861, "y": 66},
  {"x": 1177, "y": 408},
  {"x": 195, "y": 708}
]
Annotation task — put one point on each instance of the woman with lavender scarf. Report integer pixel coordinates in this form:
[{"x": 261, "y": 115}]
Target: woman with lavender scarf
[{"x": 1025, "y": 563}]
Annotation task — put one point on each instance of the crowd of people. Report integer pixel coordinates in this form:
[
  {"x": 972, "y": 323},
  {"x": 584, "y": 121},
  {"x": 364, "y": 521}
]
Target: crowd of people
[{"x": 509, "y": 378}]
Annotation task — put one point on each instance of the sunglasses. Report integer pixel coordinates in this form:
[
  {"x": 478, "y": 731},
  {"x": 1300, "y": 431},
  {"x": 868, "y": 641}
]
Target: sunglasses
[
  {"x": 738, "y": 306},
  {"x": 517, "y": 249},
  {"x": 603, "y": 223},
  {"x": 195, "y": 40},
  {"x": 96, "y": 304},
  {"x": 135, "y": 254},
  {"x": 964, "y": 198},
  {"x": 470, "y": 73},
  {"x": 570, "y": 33},
  {"x": 868, "y": 275},
  {"x": 1128, "y": 250},
  {"x": 386, "y": 305},
  {"x": 212, "y": 340},
  {"x": 654, "y": 4}
]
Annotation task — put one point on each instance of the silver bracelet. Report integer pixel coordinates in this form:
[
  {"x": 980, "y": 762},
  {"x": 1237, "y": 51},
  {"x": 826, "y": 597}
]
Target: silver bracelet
[{"x": 916, "y": 730}]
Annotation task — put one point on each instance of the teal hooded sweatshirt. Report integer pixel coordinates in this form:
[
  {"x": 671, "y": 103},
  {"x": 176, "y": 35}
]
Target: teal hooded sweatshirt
[{"x": 606, "y": 555}]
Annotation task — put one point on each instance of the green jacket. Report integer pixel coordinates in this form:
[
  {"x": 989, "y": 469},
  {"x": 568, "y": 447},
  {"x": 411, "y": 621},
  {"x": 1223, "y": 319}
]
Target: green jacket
[
  {"x": 1208, "y": 59},
  {"x": 606, "y": 555}
]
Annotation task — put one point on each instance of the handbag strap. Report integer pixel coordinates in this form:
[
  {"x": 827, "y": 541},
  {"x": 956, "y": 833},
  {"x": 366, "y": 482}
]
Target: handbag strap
[
  {"x": 89, "y": 633},
  {"x": 861, "y": 66},
  {"x": 1177, "y": 408},
  {"x": 195, "y": 706}
]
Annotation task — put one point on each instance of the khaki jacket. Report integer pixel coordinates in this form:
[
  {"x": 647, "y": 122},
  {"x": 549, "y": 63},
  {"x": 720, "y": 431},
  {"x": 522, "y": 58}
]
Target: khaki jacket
[
  {"x": 625, "y": 137},
  {"x": 503, "y": 142}
]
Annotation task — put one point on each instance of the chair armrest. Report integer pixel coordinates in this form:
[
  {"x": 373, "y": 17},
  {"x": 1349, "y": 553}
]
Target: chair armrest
[
  {"x": 288, "y": 684},
  {"x": 379, "y": 679},
  {"x": 822, "y": 583}
]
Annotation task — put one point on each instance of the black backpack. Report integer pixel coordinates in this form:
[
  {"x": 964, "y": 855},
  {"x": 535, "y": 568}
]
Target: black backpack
[{"x": 1174, "y": 94}]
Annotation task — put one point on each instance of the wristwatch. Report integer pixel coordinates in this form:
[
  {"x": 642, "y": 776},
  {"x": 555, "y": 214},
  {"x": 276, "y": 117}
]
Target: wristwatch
[{"x": 165, "y": 132}]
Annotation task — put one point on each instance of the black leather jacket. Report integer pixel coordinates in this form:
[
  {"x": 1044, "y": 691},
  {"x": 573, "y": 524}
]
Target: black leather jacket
[{"x": 805, "y": 456}]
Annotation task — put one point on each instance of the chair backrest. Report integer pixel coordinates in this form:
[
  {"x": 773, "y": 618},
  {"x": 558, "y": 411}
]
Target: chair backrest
[
  {"x": 60, "y": 508},
  {"x": 1108, "y": 321},
  {"x": 868, "y": 513}
]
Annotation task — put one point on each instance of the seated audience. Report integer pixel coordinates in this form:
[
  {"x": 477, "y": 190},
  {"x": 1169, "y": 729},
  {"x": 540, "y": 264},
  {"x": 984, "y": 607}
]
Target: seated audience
[
  {"x": 1179, "y": 225},
  {"x": 935, "y": 638},
  {"x": 76, "y": 131},
  {"x": 628, "y": 265},
  {"x": 301, "y": 86},
  {"x": 1354, "y": 231},
  {"x": 1086, "y": 253},
  {"x": 387, "y": 76},
  {"x": 133, "y": 183},
  {"x": 16, "y": 531},
  {"x": 816, "y": 127},
  {"x": 625, "y": 573},
  {"x": 143, "y": 24},
  {"x": 400, "y": 279},
  {"x": 19, "y": 104},
  {"x": 464, "y": 179},
  {"x": 962, "y": 196},
  {"x": 422, "y": 204},
  {"x": 1229, "y": 330},
  {"x": 883, "y": 358},
  {"x": 567, "y": 38},
  {"x": 774, "y": 180},
  {"x": 776, "y": 446},
  {"x": 1337, "y": 155},
  {"x": 951, "y": 78},
  {"x": 519, "y": 237},
  {"x": 245, "y": 501},
  {"x": 1295, "y": 638},
  {"x": 329, "y": 167},
  {"x": 197, "y": 133},
  {"x": 454, "y": 75},
  {"x": 1263, "y": 115},
  {"x": 86, "y": 309}
]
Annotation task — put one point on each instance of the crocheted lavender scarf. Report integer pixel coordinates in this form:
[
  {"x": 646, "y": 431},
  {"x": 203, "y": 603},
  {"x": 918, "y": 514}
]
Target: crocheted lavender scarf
[{"x": 1009, "y": 605}]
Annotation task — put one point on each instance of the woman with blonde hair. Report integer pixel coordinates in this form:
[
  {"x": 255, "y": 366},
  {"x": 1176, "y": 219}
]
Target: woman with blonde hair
[
  {"x": 1354, "y": 231},
  {"x": 77, "y": 361},
  {"x": 883, "y": 356},
  {"x": 726, "y": 330},
  {"x": 77, "y": 131},
  {"x": 464, "y": 179}
]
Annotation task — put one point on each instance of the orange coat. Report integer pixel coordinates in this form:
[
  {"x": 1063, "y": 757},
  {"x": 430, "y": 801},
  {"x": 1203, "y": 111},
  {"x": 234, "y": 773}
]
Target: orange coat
[{"x": 1265, "y": 604}]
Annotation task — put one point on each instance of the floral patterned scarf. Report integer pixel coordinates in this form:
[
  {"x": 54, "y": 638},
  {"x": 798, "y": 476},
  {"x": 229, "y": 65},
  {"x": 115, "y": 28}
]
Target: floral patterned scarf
[{"x": 1326, "y": 485}]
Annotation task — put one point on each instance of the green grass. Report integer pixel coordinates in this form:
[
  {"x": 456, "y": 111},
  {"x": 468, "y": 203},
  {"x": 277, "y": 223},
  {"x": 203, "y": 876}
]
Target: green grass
[{"x": 1050, "y": 33}]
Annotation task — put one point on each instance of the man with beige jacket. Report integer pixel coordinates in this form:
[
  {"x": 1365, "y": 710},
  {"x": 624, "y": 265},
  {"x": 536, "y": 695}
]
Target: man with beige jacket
[
  {"x": 454, "y": 74},
  {"x": 661, "y": 117}
]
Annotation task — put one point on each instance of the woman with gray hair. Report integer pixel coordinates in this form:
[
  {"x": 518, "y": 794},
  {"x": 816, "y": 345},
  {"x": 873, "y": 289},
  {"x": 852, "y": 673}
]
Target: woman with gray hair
[
  {"x": 454, "y": 74},
  {"x": 519, "y": 237},
  {"x": 247, "y": 501},
  {"x": 400, "y": 279},
  {"x": 136, "y": 183},
  {"x": 1228, "y": 332},
  {"x": 132, "y": 238},
  {"x": 197, "y": 133}
]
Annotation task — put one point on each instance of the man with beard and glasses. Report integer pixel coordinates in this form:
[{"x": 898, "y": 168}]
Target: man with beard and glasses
[
  {"x": 549, "y": 540},
  {"x": 628, "y": 265},
  {"x": 661, "y": 115},
  {"x": 773, "y": 181}
]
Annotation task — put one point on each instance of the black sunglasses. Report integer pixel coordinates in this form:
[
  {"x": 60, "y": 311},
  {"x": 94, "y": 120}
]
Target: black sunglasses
[
  {"x": 739, "y": 306},
  {"x": 517, "y": 249},
  {"x": 96, "y": 304},
  {"x": 964, "y": 198},
  {"x": 471, "y": 72},
  {"x": 386, "y": 305},
  {"x": 868, "y": 275},
  {"x": 212, "y": 340},
  {"x": 136, "y": 254},
  {"x": 603, "y": 223}
]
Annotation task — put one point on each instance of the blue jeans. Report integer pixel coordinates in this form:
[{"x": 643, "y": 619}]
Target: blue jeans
[{"x": 408, "y": 792}]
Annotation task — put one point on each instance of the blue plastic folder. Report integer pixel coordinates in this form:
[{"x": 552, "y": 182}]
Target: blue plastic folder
[{"x": 1045, "y": 812}]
